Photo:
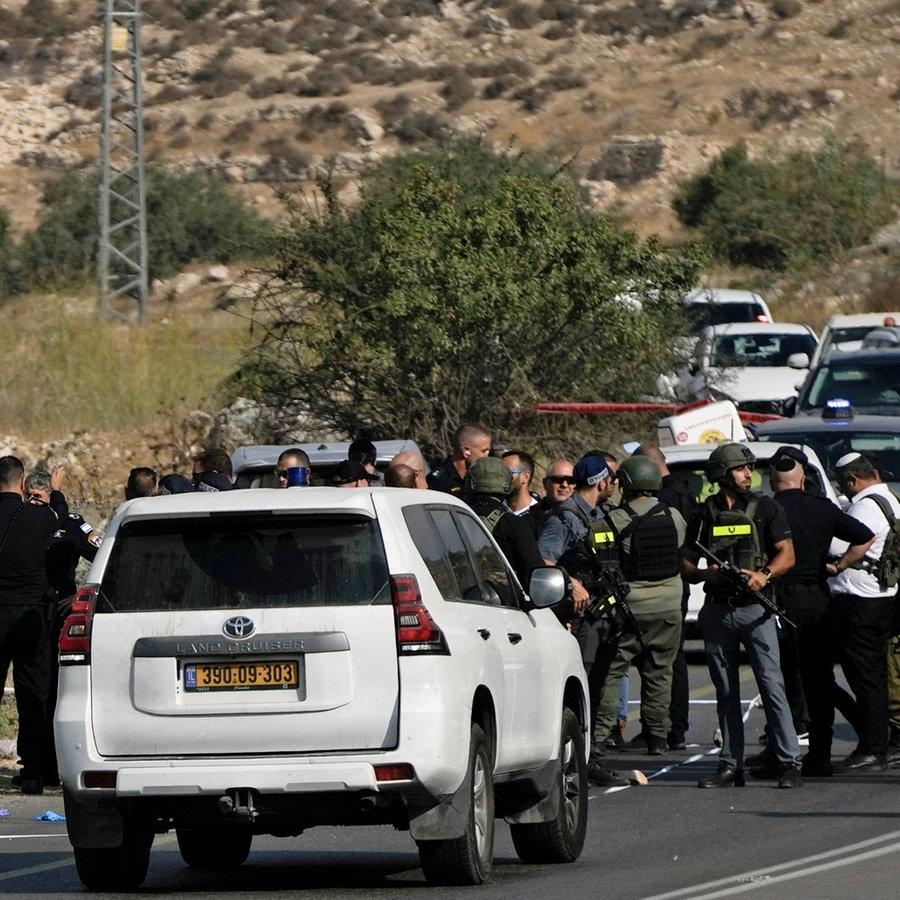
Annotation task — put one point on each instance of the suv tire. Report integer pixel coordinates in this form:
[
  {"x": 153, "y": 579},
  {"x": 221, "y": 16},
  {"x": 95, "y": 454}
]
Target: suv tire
[
  {"x": 116, "y": 868},
  {"x": 214, "y": 849},
  {"x": 562, "y": 838},
  {"x": 468, "y": 858}
]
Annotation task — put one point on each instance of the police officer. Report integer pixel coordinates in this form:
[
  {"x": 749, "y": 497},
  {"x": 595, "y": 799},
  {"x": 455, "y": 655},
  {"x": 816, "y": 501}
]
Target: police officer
[
  {"x": 470, "y": 442},
  {"x": 752, "y": 532},
  {"x": 804, "y": 595},
  {"x": 73, "y": 540},
  {"x": 24, "y": 592},
  {"x": 571, "y": 538},
  {"x": 651, "y": 536}
]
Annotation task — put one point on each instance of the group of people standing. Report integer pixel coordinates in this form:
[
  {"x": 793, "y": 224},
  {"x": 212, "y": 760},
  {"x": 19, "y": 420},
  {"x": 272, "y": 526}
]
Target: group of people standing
[
  {"x": 630, "y": 564},
  {"x": 795, "y": 550}
]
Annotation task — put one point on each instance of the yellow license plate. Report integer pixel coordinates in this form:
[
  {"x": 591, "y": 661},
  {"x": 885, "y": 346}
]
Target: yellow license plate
[{"x": 271, "y": 675}]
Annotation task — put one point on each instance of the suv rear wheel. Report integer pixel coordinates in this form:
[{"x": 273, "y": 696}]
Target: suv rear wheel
[
  {"x": 468, "y": 858},
  {"x": 562, "y": 838},
  {"x": 116, "y": 868},
  {"x": 214, "y": 849}
]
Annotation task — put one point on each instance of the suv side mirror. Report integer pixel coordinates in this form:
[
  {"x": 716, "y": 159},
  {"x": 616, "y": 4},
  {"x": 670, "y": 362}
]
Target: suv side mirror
[
  {"x": 547, "y": 586},
  {"x": 798, "y": 361}
]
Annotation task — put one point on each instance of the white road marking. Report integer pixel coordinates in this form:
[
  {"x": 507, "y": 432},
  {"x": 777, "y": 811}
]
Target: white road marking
[{"x": 849, "y": 855}]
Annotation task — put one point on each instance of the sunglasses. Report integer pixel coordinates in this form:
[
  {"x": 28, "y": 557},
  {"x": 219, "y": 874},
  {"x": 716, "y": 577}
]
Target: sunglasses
[{"x": 562, "y": 479}]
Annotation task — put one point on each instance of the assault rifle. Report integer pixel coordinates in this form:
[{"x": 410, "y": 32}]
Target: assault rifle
[
  {"x": 609, "y": 593},
  {"x": 739, "y": 580}
]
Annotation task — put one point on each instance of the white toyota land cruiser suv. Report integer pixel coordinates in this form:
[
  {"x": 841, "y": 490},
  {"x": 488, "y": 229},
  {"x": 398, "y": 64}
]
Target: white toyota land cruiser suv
[{"x": 262, "y": 661}]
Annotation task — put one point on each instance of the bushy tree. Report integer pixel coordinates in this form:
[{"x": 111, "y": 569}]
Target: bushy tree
[
  {"x": 464, "y": 285},
  {"x": 190, "y": 218},
  {"x": 783, "y": 209}
]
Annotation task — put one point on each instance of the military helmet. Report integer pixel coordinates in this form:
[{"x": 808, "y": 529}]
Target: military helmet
[
  {"x": 639, "y": 473},
  {"x": 489, "y": 475},
  {"x": 727, "y": 456}
]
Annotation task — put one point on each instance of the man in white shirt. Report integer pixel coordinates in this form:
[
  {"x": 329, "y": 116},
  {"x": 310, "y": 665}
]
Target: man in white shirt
[{"x": 864, "y": 611}]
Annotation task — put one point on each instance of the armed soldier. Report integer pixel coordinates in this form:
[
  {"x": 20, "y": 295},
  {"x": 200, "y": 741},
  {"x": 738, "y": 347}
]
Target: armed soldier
[
  {"x": 751, "y": 532},
  {"x": 650, "y": 536}
]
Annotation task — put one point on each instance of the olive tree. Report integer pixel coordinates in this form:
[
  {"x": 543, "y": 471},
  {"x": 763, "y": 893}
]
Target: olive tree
[{"x": 464, "y": 285}]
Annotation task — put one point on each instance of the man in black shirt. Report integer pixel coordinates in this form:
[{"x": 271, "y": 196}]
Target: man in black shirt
[
  {"x": 24, "y": 608},
  {"x": 804, "y": 595}
]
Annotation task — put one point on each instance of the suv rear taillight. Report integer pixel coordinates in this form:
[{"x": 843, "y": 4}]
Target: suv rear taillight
[
  {"x": 75, "y": 637},
  {"x": 416, "y": 630}
]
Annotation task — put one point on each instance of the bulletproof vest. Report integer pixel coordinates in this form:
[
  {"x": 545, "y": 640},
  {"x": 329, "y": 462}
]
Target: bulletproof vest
[
  {"x": 598, "y": 548},
  {"x": 653, "y": 548},
  {"x": 492, "y": 518},
  {"x": 734, "y": 535},
  {"x": 887, "y": 569}
]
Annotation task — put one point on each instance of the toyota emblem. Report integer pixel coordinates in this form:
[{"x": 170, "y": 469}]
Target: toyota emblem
[{"x": 239, "y": 627}]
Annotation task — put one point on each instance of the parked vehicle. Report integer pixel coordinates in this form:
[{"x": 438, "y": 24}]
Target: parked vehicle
[
  {"x": 254, "y": 465},
  {"x": 718, "y": 306},
  {"x": 688, "y": 462},
  {"x": 758, "y": 366},
  {"x": 844, "y": 333},
  {"x": 839, "y": 430},
  {"x": 869, "y": 380},
  {"x": 263, "y": 661}
]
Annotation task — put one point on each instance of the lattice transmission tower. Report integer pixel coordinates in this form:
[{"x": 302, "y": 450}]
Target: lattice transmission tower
[{"x": 122, "y": 254}]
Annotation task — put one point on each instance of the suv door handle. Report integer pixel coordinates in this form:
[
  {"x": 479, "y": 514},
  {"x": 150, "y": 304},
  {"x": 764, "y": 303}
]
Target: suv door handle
[
  {"x": 514, "y": 637},
  {"x": 485, "y": 633}
]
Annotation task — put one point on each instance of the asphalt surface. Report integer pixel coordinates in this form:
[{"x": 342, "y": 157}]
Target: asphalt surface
[{"x": 833, "y": 838}]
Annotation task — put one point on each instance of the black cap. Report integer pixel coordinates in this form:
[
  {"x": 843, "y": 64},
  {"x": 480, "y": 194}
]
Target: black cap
[{"x": 785, "y": 458}]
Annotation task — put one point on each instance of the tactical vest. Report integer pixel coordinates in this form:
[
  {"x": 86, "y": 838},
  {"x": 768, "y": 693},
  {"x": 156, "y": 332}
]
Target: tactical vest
[
  {"x": 734, "y": 536},
  {"x": 653, "y": 551},
  {"x": 492, "y": 518},
  {"x": 598, "y": 548}
]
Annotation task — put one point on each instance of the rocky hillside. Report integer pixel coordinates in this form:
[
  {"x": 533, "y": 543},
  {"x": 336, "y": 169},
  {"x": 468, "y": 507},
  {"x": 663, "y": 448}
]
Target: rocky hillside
[{"x": 643, "y": 92}]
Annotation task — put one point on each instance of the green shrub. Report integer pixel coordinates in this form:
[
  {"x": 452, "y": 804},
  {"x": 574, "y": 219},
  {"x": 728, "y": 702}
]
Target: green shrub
[
  {"x": 189, "y": 218},
  {"x": 784, "y": 209},
  {"x": 464, "y": 284}
]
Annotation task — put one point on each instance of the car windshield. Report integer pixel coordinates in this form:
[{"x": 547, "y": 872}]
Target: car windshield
[
  {"x": 864, "y": 383},
  {"x": 701, "y": 315},
  {"x": 832, "y": 444},
  {"x": 237, "y": 561},
  {"x": 759, "y": 349}
]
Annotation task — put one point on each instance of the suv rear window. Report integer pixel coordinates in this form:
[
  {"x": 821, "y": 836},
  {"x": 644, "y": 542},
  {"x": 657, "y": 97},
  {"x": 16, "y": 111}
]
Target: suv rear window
[
  {"x": 233, "y": 562},
  {"x": 701, "y": 315}
]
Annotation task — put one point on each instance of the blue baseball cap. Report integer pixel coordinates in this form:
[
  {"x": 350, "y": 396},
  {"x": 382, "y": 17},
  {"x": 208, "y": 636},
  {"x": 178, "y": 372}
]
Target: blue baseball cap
[{"x": 591, "y": 470}]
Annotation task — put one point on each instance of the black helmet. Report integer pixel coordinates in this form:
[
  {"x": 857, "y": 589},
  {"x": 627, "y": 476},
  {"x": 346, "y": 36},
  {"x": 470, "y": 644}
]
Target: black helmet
[
  {"x": 725, "y": 457},
  {"x": 639, "y": 473}
]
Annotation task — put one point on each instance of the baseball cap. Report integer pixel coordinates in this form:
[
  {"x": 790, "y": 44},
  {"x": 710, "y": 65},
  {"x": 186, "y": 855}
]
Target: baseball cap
[
  {"x": 591, "y": 470},
  {"x": 785, "y": 458}
]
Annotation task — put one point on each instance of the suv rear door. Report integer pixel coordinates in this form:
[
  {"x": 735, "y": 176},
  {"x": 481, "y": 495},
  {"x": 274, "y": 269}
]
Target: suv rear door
[{"x": 245, "y": 632}]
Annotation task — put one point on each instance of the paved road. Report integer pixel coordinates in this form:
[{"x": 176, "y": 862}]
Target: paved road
[{"x": 834, "y": 838}]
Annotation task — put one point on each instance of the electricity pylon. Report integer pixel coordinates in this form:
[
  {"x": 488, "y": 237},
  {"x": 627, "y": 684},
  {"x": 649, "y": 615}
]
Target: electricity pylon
[{"x": 122, "y": 253}]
